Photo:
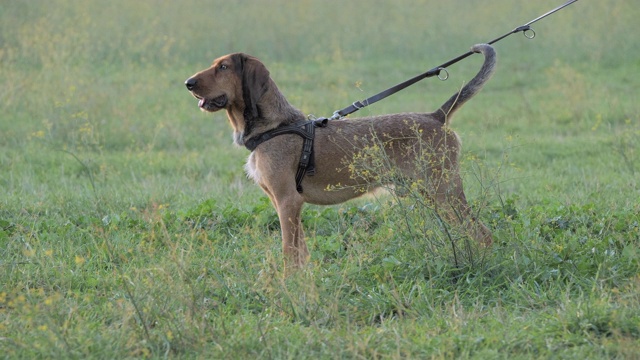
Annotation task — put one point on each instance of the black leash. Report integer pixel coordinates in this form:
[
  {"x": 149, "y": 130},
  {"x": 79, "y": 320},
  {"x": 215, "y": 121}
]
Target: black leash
[{"x": 525, "y": 29}]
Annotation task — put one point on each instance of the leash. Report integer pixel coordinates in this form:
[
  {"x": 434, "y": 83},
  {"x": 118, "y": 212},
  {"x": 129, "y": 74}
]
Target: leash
[{"x": 436, "y": 71}]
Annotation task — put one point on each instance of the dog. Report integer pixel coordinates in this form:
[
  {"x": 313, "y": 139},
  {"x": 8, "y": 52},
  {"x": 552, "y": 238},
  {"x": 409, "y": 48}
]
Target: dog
[{"x": 241, "y": 85}]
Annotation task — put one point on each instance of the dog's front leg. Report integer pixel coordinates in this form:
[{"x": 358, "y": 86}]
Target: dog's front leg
[{"x": 293, "y": 245}]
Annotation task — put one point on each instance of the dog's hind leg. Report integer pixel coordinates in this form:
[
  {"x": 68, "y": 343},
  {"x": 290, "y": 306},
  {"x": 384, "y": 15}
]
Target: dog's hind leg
[{"x": 450, "y": 198}]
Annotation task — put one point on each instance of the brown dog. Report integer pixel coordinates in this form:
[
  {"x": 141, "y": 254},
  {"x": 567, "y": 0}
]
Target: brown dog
[{"x": 241, "y": 85}]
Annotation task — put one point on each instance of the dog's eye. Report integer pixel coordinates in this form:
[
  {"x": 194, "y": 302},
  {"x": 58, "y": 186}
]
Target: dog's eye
[{"x": 223, "y": 67}]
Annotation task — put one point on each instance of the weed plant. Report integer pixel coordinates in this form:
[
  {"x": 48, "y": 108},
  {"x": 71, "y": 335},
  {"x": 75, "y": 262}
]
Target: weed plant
[{"x": 436, "y": 229}]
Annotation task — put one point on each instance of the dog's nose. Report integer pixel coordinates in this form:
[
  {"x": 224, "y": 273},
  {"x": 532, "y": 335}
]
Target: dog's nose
[{"x": 190, "y": 83}]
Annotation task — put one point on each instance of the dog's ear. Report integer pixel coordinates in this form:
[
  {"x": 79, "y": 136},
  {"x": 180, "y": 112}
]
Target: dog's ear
[{"x": 255, "y": 83}]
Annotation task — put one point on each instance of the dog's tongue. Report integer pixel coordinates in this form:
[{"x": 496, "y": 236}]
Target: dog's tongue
[{"x": 201, "y": 102}]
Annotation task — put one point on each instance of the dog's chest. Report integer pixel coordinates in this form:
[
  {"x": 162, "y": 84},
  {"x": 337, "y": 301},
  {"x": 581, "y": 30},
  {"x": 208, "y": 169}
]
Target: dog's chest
[{"x": 251, "y": 169}]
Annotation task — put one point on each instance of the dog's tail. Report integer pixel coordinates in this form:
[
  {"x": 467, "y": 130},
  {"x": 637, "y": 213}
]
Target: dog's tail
[{"x": 473, "y": 87}]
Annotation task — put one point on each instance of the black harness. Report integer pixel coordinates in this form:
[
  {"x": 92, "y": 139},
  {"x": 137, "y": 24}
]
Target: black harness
[{"x": 305, "y": 129}]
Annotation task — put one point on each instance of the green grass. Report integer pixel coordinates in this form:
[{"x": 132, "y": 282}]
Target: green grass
[{"x": 128, "y": 228}]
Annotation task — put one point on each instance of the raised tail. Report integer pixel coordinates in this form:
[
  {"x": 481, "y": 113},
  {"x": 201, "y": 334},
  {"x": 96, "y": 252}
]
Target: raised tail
[{"x": 473, "y": 87}]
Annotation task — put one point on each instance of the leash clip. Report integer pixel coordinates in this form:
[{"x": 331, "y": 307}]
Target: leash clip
[
  {"x": 446, "y": 74},
  {"x": 320, "y": 121},
  {"x": 527, "y": 31}
]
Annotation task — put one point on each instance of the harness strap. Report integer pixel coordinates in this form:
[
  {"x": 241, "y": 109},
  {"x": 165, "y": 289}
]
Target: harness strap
[
  {"x": 306, "y": 130},
  {"x": 307, "y": 160}
]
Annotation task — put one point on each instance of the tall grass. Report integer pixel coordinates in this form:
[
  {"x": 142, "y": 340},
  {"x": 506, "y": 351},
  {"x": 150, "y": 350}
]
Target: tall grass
[{"x": 128, "y": 229}]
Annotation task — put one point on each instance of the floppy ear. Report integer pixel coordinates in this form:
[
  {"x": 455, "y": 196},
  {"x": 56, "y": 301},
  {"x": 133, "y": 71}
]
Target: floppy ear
[{"x": 255, "y": 82}]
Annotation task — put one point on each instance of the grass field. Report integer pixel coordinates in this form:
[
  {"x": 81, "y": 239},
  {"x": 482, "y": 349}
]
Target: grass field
[{"x": 128, "y": 228}]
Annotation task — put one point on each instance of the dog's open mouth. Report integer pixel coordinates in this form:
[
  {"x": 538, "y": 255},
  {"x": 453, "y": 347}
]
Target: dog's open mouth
[{"x": 214, "y": 104}]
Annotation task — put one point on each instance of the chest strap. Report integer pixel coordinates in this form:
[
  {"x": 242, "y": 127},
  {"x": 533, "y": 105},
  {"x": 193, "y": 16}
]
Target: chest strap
[{"x": 306, "y": 130}]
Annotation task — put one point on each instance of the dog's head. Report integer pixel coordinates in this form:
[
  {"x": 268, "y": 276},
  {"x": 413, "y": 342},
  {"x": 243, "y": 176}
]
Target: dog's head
[{"x": 233, "y": 81}]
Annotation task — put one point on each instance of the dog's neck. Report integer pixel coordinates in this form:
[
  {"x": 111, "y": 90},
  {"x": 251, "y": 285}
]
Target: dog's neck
[{"x": 279, "y": 112}]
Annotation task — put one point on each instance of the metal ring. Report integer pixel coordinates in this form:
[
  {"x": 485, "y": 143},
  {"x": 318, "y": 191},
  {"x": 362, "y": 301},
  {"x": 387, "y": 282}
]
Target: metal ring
[
  {"x": 529, "y": 33},
  {"x": 443, "y": 78}
]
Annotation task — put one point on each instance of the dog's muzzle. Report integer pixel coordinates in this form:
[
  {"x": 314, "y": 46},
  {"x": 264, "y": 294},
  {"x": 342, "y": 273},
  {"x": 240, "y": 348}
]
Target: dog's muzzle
[{"x": 214, "y": 104}]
